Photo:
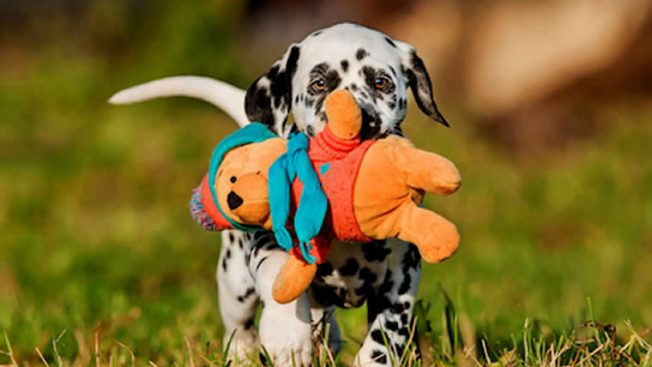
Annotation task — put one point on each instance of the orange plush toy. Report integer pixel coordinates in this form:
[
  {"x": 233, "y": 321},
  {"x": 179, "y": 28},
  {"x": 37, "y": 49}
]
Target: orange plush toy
[{"x": 332, "y": 186}]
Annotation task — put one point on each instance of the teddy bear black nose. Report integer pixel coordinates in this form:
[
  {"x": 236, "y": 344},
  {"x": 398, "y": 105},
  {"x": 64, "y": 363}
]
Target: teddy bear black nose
[{"x": 233, "y": 200}]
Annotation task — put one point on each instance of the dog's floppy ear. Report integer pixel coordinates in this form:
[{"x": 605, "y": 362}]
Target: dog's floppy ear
[
  {"x": 269, "y": 98},
  {"x": 419, "y": 81}
]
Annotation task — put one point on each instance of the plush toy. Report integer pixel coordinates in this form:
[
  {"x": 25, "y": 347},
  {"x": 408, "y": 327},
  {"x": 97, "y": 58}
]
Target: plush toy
[{"x": 333, "y": 186}]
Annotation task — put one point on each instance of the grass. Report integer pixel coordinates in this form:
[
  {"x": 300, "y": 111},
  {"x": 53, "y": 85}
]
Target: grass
[{"x": 101, "y": 264}]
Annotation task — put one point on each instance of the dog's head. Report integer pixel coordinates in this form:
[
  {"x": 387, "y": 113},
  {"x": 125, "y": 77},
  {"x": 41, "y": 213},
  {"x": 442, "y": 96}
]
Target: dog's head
[{"x": 376, "y": 69}]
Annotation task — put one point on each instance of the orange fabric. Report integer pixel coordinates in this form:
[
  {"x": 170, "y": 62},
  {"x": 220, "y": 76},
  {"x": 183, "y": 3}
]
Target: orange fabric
[
  {"x": 210, "y": 208},
  {"x": 391, "y": 209}
]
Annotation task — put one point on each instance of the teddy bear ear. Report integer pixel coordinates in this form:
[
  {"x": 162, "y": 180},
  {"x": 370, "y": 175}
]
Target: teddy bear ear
[{"x": 204, "y": 211}]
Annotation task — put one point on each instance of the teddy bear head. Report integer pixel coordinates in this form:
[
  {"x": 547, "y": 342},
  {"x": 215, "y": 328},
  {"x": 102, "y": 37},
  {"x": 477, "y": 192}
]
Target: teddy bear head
[{"x": 241, "y": 182}]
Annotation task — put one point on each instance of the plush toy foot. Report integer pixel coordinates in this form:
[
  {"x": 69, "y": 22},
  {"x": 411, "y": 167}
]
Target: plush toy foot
[
  {"x": 436, "y": 237},
  {"x": 294, "y": 278}
]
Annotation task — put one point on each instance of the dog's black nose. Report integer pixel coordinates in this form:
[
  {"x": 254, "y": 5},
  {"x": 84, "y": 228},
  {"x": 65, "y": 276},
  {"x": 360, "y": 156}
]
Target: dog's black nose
[{"x": 234, "y": 200}]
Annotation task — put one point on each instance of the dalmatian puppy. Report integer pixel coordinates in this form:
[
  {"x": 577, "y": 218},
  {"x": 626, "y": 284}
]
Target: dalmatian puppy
[{"x": 378, "y": 71}]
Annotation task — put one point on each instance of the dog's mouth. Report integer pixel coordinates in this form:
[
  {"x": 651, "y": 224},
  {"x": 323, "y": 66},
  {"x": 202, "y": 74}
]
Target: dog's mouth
[{"x": 371, "y": 125}]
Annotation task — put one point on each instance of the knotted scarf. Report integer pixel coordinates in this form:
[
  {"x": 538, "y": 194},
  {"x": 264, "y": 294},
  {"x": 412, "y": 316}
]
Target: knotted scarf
[{"x": 311, "y": 210}]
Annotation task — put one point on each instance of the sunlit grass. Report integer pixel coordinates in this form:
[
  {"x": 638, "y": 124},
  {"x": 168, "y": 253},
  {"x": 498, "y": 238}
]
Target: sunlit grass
[{"x": 100, "y": 262}]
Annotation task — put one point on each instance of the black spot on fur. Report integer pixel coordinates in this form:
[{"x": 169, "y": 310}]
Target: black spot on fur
[
  {"x": 224, "y": 265},
  {"x": 320, "y": 102},
  {"x": 387, "y": 284},
  {"x": 363, "y": 290},
  {"x": 248, "y": 293},
  {"x": 310, "y": 130},
  {"x": 353, "y": 87},
  {"x": 324, "y": 269},
  {"x": 389, "y": 40},
  {"x": 361, "y": 54},
  {"x": 350, "y": 267},
  {"x": 379, "y": 356},
  {"x": 248, "y": 324},
  {"x": 404, "y": 331},
  {"x": 391, "y": 325},
  {"x": 369, "y": 74},
  {"x": 327, "y": 296},
  {"x": 345, "y": 65},
  {"x": 368, "y": 276},
  {"x": 228, "y": 253},
  {"x": 404, "y": 318},
  {"x": 376, "y": 304},
  {"x": 231, "y": 237},
  {"x": 399, "y": 348},
  {"x": 400, "y": 307},
  {"x": 405, "y": 285},
  {"x": 377, "y": 336},
  {"x": 315, "y": 34},
  {"x": 412, "y": 258},
  {"x": 375, "y": 251}
]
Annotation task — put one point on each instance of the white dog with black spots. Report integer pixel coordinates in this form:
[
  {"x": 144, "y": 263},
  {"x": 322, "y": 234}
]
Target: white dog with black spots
[{"x": 378, "y": 71}]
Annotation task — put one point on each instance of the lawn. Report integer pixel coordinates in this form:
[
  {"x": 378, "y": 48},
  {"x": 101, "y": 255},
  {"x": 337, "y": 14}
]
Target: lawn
[{"x": 101, "y": 263}]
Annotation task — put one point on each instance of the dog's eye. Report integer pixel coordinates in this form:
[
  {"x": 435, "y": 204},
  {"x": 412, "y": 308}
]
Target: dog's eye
[
  {"x": 318, "y": 85},
  {"x": 381, "y": 83}
]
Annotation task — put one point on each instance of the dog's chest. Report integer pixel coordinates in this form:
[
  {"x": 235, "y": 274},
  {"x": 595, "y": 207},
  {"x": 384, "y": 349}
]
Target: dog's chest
[{"x": 351, "y": 272}]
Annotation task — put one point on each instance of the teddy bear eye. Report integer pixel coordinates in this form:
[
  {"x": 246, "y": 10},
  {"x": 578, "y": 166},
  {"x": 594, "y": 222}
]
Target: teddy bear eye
[{"x": 233, "y": 179}]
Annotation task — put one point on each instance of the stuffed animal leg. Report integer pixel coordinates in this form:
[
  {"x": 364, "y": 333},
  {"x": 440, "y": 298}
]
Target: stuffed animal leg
[{"x": 416, "y": 170}]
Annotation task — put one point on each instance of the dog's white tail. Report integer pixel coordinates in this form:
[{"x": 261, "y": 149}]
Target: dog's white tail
[{"x": 228, "y": 98}]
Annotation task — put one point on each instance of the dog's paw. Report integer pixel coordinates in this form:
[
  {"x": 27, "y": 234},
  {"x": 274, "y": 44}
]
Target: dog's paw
[
  {"x": 291, "y": 354},
  {"x": 241, "y": 346},
  {"x": 285, "y": 332}
]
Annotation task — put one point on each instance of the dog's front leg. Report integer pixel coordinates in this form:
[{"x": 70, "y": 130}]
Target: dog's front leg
[
  {"x": 390, "y": 309},
  {"x": 236, "y": 297},
  {"x": 285, "y": 329}
]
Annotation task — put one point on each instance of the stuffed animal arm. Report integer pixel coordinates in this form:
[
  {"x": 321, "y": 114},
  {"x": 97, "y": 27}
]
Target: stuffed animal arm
[{"x": 333, "y": 186}]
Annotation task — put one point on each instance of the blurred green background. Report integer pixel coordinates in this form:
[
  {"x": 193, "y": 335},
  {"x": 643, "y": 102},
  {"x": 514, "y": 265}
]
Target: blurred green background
[{"x": 96, "y": 244}]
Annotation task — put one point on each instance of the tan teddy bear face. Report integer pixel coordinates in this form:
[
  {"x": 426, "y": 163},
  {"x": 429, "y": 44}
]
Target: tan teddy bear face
[{"x": 241, "y": 182}]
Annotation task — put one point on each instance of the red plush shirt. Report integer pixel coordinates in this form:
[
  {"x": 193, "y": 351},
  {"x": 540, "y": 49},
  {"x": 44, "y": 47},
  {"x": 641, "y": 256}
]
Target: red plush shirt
[{"x": 337, "y": 163}]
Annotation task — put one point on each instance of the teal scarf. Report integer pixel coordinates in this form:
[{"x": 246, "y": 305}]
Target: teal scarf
[
  {"x": 313, "y": 204},
  {"x": 295, "y": 163}
]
